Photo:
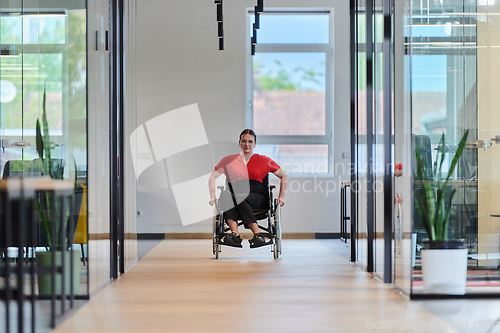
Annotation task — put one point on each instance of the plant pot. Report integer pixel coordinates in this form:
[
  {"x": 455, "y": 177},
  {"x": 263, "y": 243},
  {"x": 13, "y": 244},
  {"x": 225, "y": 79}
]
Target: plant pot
[
  {"x": 444, "y": 267},
  {"x": 44, "y": 259}
]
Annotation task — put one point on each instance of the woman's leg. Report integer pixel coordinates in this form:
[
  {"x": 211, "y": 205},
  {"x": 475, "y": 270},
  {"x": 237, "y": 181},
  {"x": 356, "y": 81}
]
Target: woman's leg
[
  {"x": 233, "y": 225},
  {"x": 254, "y": 227},
  {"x": 252, "y": 201},
  {"x": 257, "y": 201},
  {"x": 243, "y": 210},
  {"x": 230, "y": 215}
]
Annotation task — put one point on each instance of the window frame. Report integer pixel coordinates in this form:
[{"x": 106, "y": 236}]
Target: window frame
[{"x": 328, "y": 50}]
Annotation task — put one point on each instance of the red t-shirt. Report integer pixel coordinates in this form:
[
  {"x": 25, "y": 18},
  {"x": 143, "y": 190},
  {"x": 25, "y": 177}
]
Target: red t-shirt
[{"x": 257, "y": 167}]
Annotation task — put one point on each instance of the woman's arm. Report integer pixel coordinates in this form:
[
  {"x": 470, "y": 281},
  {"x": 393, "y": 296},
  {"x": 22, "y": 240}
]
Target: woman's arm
[
  {"x": 212, "y": 185},
  {"x": 282, "y": 175}
]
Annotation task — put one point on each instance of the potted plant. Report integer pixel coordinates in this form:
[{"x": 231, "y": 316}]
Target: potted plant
[
  {"x": 43, "y": 203},
  {"x": 444, "y": 260}
]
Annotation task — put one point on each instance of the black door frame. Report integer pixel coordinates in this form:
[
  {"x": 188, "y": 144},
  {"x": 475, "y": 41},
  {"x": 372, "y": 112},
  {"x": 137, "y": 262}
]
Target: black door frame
[
  {"x": 388, "y": 110},
  {"x": 116, "y": 142}
]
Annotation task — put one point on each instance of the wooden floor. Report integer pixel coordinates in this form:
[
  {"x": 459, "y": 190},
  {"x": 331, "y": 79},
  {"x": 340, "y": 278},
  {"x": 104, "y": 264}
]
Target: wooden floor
[{"x": 179, "y": 287}]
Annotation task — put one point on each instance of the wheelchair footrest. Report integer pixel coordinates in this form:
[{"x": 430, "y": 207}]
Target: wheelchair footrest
[
  {"x": 230, "y": 240},
  {"x": 259, "y": 240},
  {"x": 232, "y": 245}
]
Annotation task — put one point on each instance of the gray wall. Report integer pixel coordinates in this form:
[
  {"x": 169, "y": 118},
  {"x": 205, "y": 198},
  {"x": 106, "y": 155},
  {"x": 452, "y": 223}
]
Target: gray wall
[{"x": 178, "y": 63}]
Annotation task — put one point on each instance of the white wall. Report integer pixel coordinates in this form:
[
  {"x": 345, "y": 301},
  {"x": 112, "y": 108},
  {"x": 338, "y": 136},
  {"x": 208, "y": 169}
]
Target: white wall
[
  {"x": 98, "y": 151},
  {"x": 178, "y": 63},
  {"x": 130, "y": 123}
]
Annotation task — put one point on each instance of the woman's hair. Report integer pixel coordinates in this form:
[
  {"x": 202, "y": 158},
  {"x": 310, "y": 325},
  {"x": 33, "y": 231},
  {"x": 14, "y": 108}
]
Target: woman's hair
[{"x": 249, "y": 131}]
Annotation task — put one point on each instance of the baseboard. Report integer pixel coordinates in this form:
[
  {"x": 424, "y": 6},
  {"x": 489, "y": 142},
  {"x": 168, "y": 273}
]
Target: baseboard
[
  {"x": 189, "y": 235},
  {"x": 328, "y": 235},
  {"x": 150, "y": 236},
  {"x": 130, "y": 236},
  {"x": 100, "y": 236},
  {"x": 298, "y": 235},
  {"x": 246, "y": 235},
  {"x": 378, "y": 235}
]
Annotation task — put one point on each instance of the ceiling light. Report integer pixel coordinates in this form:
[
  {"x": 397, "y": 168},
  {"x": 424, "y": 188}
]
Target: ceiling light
[
  {"x": 260, "y": 6},
  {"x": 219, "y": 12},
  {"x": 43, "y": 14},
  {"x": 9, "y": 53},
  {"x": 221, "y": 30},
  {"x": 256, "y": 25}
]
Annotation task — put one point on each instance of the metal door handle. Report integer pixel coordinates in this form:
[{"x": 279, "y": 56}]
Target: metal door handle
[{"x": 479, "y": 143}]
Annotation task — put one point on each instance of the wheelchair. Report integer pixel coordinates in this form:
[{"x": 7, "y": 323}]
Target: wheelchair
[{"x": 272, "y": 214}]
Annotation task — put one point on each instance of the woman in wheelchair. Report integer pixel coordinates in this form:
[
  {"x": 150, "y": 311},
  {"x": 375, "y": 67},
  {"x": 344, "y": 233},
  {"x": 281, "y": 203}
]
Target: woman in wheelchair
[{"x": 245, "y": 173}]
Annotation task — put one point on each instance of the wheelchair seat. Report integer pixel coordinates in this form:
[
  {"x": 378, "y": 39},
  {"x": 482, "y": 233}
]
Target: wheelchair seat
[{"x": 271, "y": 213}]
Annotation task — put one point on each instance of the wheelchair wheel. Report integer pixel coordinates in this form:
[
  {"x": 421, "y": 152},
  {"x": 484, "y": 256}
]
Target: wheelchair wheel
[
  {"x": 216, "y": 227},
  {"x": 214, "y": 233},
  {"x": 217, "y": 246},
  {"x": 277, "y": 231},
  {"x": 217, "y": 251}
]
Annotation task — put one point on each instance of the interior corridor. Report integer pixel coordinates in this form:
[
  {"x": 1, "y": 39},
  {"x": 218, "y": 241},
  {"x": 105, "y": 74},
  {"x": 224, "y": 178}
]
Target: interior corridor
[{"x": 179, "y": 287}]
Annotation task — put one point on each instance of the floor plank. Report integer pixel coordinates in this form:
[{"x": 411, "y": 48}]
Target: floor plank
[{"x": 179, "y": 287}]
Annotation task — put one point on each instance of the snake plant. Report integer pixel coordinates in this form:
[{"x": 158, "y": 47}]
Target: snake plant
[
  {"x": 46, "y": 168},
  {"x": 432, "y": 204}
]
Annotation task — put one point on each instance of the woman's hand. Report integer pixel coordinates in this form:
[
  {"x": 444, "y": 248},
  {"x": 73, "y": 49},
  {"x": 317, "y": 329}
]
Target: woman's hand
[
  {"x": 281, "y": 174},
  {"x": 212, "y": 186}
]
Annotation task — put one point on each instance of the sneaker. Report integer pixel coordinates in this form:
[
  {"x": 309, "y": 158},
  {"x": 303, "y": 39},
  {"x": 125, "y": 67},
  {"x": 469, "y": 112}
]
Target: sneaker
[
  {"x": 232, "y": 239},
  {"x": 259, "y": 240}
]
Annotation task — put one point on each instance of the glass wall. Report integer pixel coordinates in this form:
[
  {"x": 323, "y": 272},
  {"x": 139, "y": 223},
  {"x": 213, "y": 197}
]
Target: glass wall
[
  {"x": 444, "y": 82},
  {"x": 450, "y": 86},
  {"x": 378, "y": 136},
  {"x": 43, "y": 74},
  {"x": 373, "y": 143},
  {"x": 360, "y": 159},
  {"x": 403, "y": 220}
]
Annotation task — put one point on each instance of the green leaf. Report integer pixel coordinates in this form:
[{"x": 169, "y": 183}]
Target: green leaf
[
  {"x": 442, "y": 150},
  {"x": 425, "y": 218},
  {"x": 447, "y": 216},
  {"x": 45, "y": 222},
  {"x": 435, "y": 208},
  {"x": 439, "y": 212},
  {"x": 39, "y": 140},
  {"x": 46, "y": 136},
  {"x": 425, "y": 196}
]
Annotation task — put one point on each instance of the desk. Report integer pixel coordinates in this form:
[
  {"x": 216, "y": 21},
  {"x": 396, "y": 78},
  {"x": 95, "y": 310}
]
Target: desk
[
  {"x": 14, "y": 189},
  {"x": 24, "y": 191},
  {"x": 35, "y": 184}
]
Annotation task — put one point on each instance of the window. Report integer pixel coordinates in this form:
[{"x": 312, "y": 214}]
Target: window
[
  {"x": 50, "y": 57},
  {"x": 290, "y": 92},
  {"x": 443, "y": 67}
]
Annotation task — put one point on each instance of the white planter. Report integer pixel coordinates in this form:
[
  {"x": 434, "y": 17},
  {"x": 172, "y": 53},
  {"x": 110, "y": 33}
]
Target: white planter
[{"x": 444, "y": 271}]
